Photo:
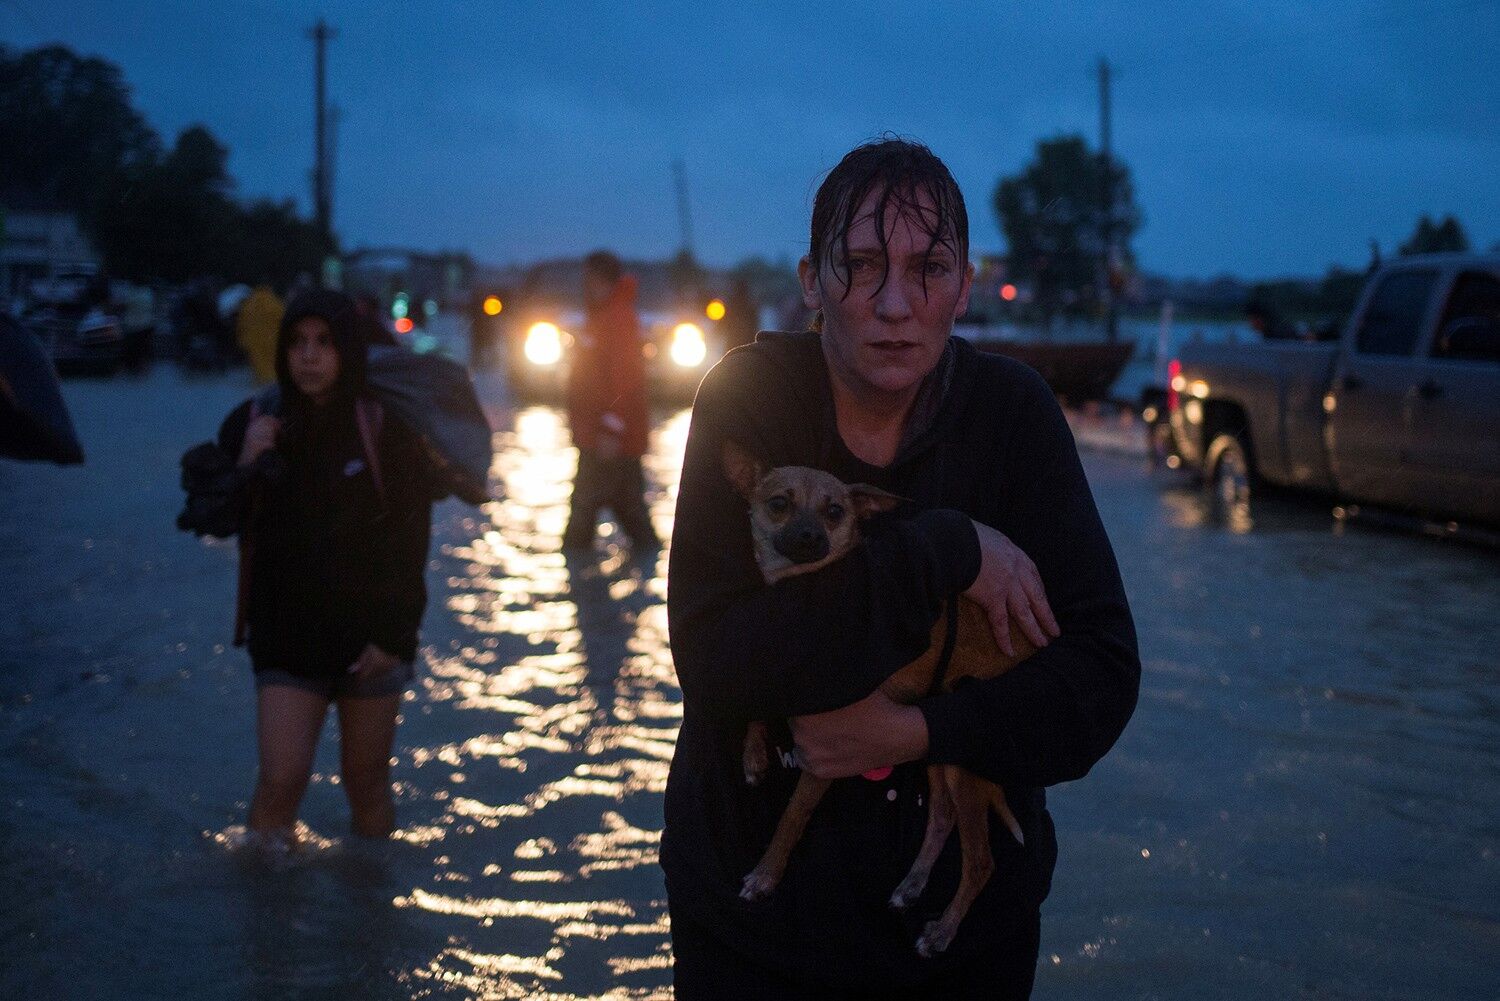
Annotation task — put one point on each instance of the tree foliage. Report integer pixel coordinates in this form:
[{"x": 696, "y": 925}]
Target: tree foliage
[
  {"x": 1055, "y": 222},
  {"x": 155, "y": 215},
  {"x": 1435, "y": 238},
  {"x": 68, "y": 128}
]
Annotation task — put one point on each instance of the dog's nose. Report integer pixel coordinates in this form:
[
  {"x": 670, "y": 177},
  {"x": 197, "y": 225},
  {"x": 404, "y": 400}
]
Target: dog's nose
[{"x": 802, "y": 542}]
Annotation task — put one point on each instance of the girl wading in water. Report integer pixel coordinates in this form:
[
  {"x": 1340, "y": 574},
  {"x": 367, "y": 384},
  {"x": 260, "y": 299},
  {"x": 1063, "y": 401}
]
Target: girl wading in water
[{"x": 333, "y": 505}]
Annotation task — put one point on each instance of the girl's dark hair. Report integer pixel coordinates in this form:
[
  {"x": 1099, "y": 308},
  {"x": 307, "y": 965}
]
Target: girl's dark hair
[{"x": 903, "y": 171}]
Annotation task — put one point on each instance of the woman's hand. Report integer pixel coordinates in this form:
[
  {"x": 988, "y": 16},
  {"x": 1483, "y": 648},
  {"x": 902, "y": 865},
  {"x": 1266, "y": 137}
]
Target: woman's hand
[
  {"x": 260, "y": 437},
  {"x": 373, "y": 662},
  {"x": 872, "y": 733},
  {"x": 1009, "y": 586}
]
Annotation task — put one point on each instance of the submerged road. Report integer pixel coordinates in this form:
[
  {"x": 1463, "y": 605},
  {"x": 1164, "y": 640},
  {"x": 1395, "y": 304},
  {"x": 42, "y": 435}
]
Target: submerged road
[{"x": 1304, "y": 805}]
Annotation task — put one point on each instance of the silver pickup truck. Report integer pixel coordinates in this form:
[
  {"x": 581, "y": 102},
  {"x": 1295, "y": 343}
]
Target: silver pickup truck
[{"x": 1403, "y": 412}]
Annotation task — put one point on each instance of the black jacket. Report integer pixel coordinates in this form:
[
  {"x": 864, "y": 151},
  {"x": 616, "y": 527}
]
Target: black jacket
[
  {"x": 997, "y": 449},
  {"x": 333, "y": 564}
]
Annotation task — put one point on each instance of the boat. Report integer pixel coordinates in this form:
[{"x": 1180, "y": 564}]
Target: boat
[{"x": 1077, "y": 371}]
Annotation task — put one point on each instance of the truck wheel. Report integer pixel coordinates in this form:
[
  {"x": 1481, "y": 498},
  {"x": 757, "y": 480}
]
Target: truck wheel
[
  {"x": 1160, "y": 449},
  {"x": 1230, "y": 476}
]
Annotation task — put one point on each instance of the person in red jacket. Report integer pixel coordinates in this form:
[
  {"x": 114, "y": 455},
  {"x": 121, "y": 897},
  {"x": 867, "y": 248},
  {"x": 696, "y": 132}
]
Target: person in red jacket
[{"x": 607, "y": 408}]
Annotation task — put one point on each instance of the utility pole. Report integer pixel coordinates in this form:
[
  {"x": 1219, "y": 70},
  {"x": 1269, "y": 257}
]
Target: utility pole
[
  {"x": 322, "y": 34},
  {"x": 684, "y": 213},
  {"x": 1107, "y": 204}
]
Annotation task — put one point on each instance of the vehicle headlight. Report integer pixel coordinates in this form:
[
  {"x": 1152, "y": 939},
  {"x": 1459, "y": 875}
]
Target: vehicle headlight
[
  {"x": 688, "y": 346},
  {"x": 544, "y": 344}
]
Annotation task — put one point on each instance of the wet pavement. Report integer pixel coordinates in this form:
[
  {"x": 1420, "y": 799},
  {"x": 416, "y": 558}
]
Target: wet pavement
[{"x": 1305, "y": 804}]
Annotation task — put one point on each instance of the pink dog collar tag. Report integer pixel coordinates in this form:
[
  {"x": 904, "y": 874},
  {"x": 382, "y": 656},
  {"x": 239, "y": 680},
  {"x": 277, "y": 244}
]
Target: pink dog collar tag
[{"x": 878, "y": 774}]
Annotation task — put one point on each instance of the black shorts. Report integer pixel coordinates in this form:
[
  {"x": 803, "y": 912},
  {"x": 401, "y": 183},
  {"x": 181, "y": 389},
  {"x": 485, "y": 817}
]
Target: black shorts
[{"x": 341, "y": 686}]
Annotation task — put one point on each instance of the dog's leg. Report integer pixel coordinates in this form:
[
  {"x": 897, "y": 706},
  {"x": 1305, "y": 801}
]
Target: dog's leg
[
  {"x": 756, "y": 755},
  {"x": 971, "y": 801},
  {"x": 764, "y": 877},
  {"x": 940, "y": 817},
  {"x": 1002, "y": 810}
]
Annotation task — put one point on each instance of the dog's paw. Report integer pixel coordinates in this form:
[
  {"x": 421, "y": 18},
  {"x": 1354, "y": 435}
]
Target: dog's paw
[
  {"x": 756, "y": 762},
  {"x": 936, "y": 937},
  {"x": 758, "y": 885},
  {"x": 907, "y": 893}
]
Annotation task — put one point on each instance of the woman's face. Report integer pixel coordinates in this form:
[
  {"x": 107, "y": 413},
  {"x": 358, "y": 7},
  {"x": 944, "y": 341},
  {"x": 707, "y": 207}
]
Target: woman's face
[
  {"x": 312, "y": 359},
  {"x": 886, "y": 328}
]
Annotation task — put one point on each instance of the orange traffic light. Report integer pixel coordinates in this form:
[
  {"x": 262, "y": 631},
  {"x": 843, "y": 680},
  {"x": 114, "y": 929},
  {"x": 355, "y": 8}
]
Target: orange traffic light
[
  {"x": 715, "y": 310},
  {"x": 492, "y": 305}
]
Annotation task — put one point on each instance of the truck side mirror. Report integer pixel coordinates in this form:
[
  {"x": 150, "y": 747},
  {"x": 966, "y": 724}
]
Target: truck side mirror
[{"x": 1470, "y": 338}]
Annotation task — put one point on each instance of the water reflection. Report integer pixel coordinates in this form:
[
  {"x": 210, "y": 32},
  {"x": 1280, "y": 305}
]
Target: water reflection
[{"x": 560, "y": 716}]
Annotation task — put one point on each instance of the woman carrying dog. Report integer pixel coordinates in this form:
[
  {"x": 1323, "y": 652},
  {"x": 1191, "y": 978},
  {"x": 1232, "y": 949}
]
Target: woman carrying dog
[
  {"x": 880, "y": 393},
  {"x": 333, "y": 508}
]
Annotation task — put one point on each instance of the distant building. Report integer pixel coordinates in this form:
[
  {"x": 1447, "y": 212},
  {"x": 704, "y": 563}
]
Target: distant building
[
  {"x": 39, "y": 239},
  {"x": 384, "y": 272}
]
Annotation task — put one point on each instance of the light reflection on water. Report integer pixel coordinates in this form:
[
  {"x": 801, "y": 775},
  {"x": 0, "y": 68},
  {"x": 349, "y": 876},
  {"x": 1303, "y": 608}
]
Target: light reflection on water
[
  {"x": 1309, "y": 777},
  {"x": 559, "y": 675}
]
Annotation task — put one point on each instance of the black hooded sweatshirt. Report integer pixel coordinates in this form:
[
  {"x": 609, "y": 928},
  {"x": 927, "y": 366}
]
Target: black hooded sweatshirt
[
  {"x": 334, "y": 563},
  {"x": 990, "y": 444}
]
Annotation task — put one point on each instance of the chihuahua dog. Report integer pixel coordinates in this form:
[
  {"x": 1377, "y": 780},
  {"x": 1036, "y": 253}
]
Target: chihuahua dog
[{"x": 802, "y": 520}]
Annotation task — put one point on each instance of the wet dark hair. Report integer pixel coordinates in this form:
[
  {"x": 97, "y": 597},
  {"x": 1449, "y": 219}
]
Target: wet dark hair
[
  {"x": 603, "y": 264},
  {"x": 903, "y": 171}
]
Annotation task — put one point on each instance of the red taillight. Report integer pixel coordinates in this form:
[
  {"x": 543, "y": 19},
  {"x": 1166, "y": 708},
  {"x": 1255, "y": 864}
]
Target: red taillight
[{"x": 1174, "y": 373}]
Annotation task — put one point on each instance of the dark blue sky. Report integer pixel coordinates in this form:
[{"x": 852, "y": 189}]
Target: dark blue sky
[{"x": 1266, "y": 138}]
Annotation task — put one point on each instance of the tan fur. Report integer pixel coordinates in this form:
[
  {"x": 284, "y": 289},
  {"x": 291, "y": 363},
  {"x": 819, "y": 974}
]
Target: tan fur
[{"x": 956, "y": 797}]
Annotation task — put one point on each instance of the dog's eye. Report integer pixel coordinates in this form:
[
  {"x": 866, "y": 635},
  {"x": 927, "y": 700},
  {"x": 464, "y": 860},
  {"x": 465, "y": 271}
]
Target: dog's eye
[
  {"x": 777, "y": 505},
  {"x": 834, "y": 512}
]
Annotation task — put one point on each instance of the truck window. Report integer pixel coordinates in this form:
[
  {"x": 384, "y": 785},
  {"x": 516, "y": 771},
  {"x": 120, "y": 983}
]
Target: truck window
[
  {"x": 1394, "y": 318},
  {"x": 1475, "y": 300}
]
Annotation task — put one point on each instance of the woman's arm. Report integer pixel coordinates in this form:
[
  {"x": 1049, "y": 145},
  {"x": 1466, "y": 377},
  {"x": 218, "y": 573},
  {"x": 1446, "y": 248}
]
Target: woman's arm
[
  {"x": 1052, "y": 717},
  {"x": 745, "y": 650}
]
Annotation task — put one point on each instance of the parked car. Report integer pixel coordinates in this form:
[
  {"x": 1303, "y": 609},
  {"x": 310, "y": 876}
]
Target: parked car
[{"x": 1402, "y": 412}]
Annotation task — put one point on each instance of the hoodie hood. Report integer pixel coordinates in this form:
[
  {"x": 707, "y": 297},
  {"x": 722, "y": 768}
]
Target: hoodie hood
[{"x": 338, "y": 311}]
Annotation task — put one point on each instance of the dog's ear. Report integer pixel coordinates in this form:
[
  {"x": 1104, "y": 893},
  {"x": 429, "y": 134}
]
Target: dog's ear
[
  {"x": 870, "y": 500},
  {"x": 743, "y": 469}
]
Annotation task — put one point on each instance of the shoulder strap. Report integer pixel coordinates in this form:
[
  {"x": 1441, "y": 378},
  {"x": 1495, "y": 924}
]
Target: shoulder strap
[
  {"x": 370, "y": 416},
  {"x": 242, "y": 591}
]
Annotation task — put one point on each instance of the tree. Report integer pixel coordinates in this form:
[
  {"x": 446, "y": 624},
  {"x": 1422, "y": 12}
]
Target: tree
[
  {"x": 1056, "y": 225},
  {"x": 274, "y": 244},
  {"x": 175, "y": 220},
  {"x": 68, "y": 129},
  {"x": 1428, "y": 238},
  {"x": 153, "y": 215}
]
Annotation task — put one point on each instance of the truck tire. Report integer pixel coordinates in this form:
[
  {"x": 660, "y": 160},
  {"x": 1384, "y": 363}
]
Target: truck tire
[{"x": 1231, "y": 476}]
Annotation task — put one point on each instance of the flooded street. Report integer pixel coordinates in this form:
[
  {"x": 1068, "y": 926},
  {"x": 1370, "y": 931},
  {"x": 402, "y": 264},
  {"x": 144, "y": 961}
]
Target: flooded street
[{"x": 1306, "y": 804}]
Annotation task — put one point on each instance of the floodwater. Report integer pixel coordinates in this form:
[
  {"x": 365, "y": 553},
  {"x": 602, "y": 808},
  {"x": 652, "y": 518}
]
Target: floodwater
[{"x": 1305, "y": 804}]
